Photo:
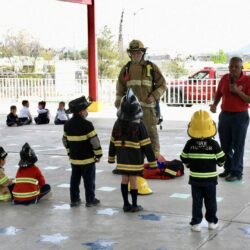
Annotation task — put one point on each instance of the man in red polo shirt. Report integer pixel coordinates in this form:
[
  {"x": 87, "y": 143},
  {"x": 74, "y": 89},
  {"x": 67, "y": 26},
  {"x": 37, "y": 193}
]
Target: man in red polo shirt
[{"x": 234, "y": 90}]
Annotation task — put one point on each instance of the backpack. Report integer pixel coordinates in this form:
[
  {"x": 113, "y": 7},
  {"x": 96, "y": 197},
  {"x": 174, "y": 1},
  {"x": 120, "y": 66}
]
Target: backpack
[{"x": 152, "y": 73}]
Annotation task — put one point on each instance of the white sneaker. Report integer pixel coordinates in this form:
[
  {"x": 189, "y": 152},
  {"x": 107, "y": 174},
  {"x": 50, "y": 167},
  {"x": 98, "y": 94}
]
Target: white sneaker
[
  {"x": 213, "y": 226},
  {"x": 196, "y": 228}
]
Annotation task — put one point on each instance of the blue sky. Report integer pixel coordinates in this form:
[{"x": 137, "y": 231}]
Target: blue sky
[{"x": 165, "y": 26}]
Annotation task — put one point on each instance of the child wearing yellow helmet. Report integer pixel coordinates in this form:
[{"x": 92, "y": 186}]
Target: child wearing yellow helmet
[{"x": 201, "y": 154}]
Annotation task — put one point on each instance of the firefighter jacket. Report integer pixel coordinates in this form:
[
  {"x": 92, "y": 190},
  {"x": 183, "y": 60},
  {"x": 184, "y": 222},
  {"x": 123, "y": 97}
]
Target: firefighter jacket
[
  {"x": 4, "y": 183},
  {"x": 129, "y": 144},
  {"x": 139, "y": 77},
  {"x": 201, "y": 157},
  {"x": 81, "y": 141},
  {"x": 28, "y": 182}
]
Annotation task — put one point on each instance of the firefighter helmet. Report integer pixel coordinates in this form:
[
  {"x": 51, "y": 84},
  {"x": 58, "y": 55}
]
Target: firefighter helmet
[
  {"x": 3, "y": 154},
  {"x": 201, "y": 125},
  {"x": 77, "y": 105},
  {"x": 136, "y": 45},
  {"x": 142, "y": 185},
  {"x": 130, "y": 108},
  {"x": 27, "y": 155}
]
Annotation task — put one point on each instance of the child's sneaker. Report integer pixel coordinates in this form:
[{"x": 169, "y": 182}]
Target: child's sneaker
[
  {"x": 127, "y": 208},
  {"x": 196, "y": 228},
  {"x": 76, "y": 203},
  {"x": 136, "y": 208},
  {"x": 213, "y": 226},
  {"x": 93, "y": 203}
]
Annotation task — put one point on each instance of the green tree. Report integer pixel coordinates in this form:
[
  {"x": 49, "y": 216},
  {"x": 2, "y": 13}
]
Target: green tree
[
  {"x": 219, "y": 57},
  {"x": 175, "y": 68},
  {"x": 108, "y": 56}
]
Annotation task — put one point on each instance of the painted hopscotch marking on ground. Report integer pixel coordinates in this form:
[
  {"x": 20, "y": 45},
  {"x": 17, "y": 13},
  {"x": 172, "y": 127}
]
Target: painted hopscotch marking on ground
[
  {"x": 51, "y": 168},
  {"x": 106, "y": 189},
  {"x": 10, "y": 230},
  {"x": 152, "y": 217},
  {"x": 53, "y": 238},
  {"x": 100, "y": 244},
  {"x": 68, "y": 169},
  {"x": 180, "y": 196},
  {"x": 99, "y": 171},
  {"x": 62, "y": 207},
  {"x": 107, "y": 211},
  {"x": 64, "y": 185}
]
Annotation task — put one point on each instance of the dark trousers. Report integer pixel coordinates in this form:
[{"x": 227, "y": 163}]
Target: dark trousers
[
  {"x": 60, "y": 122},
  {"x": 232, "y": 132},
  {"x": 208, "y": 193},
  {"x": 43, "y": 191},
  {"x": 87, "y": 172},
  {"x": 25, "y": 120}
]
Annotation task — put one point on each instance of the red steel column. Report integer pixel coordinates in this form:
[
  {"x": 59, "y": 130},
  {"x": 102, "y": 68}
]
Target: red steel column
[{"x": 92, "y": 58}]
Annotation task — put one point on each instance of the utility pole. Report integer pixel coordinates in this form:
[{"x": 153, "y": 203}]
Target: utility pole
[{"x": 120, "y": 38}]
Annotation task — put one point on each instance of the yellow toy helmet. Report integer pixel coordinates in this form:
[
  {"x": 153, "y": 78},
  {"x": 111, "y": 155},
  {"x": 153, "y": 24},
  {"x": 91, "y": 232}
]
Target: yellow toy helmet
[
  {"x": 136, "y": 45},
  {"x": 143, "y": 187},
  {"x": 201, "y": 125}
]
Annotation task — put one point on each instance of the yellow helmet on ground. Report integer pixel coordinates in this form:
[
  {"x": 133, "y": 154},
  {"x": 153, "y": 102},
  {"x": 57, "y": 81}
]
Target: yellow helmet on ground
[
  {"x": 136, "y": 45},
  {"x": 201, "y": 125},
  {"x": 143, "y": 187}
]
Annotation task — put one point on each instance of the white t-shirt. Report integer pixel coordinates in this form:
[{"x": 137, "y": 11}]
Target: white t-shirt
[
  {"x": 61, "y": 115},
  {"x": 25, "y": 113}
]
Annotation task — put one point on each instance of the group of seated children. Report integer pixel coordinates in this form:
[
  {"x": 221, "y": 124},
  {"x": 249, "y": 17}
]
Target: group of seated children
[
  {"x": 43, "y": 117},
  {"x": 29, "y": 186}
]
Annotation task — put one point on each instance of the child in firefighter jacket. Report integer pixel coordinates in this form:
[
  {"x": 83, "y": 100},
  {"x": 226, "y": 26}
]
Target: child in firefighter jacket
[
  {"x": 6, "y": 184},
  {"x": 201, "y": 154},
  {"x": 30, "y": 184},
  {"x": 129, "y": 143},
  {"x": 84, "y": 150}
]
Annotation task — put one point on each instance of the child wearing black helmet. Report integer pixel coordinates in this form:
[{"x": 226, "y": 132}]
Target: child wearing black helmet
[
  {"x": 6, "y": 184},
  {"x": 30, "y": 184},
  {"x": 129, "y": 144},
  {"x": 201, "y": 154},
  {"x": 84, "y": 150}
]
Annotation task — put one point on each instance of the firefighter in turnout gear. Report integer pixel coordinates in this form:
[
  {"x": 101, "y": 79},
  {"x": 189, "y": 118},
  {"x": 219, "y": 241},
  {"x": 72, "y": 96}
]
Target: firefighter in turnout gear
[
  {"x": 84, "y": 150},
  {"x": 128, "y": 146},
  {"x": 147, "y": 83},
  {"x": 201, "y": 154}
]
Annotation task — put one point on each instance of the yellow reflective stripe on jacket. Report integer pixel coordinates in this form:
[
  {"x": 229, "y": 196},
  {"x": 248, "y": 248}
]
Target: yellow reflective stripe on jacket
[
  {"x": 98, "y": 152},
  {"x": 145, "y": 142},
  {"x": 184, "y": 155},
  {"x": 148, "y": 105},
  {"x": 143, "y": 82},
  {"x": 4, "y": 197},
  {"x": 3, "y": 180},
  {"x": 221, "y": 154},
  {"x": 153, "y": 164},
  {"x": 130, "y": 167},
  {"x": 201, "y": 156},
  {"x": 81, "y": 137},
  {"x": 128, "y": 144},
  {"x": 111, "y": 158},
  {"x": 26, "y": 180},
  {"x": 82, "y": 162},
  {"x": 172, "y": 172},
  {"x": 203, "y": 175},
  {"x": 26, "y": 195}
]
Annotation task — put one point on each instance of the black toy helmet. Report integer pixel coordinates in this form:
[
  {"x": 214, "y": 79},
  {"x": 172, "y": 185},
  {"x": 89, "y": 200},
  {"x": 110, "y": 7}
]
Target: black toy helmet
[
  {"x": 130, "y": 108},
  {"x": 27, "y": 155},
  {"x": 3, "y": 154},
  {"x": 77, "y": 105}
]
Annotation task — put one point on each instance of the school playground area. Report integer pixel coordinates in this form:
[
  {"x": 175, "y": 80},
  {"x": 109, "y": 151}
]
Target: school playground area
[{"x": 164, "y": 223}]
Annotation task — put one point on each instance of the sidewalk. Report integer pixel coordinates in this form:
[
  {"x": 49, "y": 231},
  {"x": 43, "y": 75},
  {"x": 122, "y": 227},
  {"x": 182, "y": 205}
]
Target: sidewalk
[{"x": 164, "y": 223}]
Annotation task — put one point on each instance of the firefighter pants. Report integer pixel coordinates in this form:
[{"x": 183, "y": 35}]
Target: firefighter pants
[
  {"x": 150, "y": 122},
  {"x": 87, "y": 172},
  {"x": 208, "y": 194},
  {"x": 232, "y": 132}
]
